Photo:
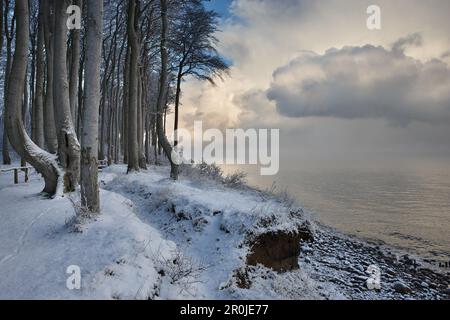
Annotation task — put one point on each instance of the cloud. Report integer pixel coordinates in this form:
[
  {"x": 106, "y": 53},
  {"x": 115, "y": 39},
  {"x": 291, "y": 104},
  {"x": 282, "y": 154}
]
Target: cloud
[
  {"x": 401, "y": 44},
  {"x": 263, "y": 35},
  {"x": 364, "y": 82}
]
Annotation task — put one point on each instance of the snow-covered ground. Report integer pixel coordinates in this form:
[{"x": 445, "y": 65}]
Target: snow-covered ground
[
  {"x": 38, "y": 242},
  {"x": 159, "y": 239}
]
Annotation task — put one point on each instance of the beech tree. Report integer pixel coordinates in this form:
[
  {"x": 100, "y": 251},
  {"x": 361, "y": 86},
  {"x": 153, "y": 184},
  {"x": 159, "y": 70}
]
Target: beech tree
[
  {"x": 9, "y": 34},
  {"x": 68, "y": 145},
  {"x": 89, "y": 138},
  {"x": 162, "y": 97},
  {"x": 42, "y": 161},
  {"x": 38, "y": 103},
  {"x": 132, "y": 89},
  {"x": 51, "y": 140},
  {"x": 75, "y": 51},
  {"x": 193, "y": 47},
  {"x": 114, "y": 87}
]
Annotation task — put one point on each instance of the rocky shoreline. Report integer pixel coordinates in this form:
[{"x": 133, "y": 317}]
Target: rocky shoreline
[{"x": 343, "y": 261}]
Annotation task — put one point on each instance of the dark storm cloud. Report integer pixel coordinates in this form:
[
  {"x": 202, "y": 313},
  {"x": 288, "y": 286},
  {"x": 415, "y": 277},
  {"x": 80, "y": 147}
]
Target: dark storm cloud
[{"x": 364, "y": 82}]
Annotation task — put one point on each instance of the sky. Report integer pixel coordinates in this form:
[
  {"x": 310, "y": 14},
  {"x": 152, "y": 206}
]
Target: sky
[
  {"x": 220, "y": 6},
  {"x": 334, "y": 88}
]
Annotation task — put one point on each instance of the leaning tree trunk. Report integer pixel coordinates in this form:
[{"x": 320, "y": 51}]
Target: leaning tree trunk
[
  {"x": 89, "y": 138},
  {"x": 68, "y": 145},
  {"x": 49, "y": 112},
  {"x": 162, "y": 94},
  {"x": 38, "y": 108},
  {"x": 133, "y": 147},
  {"x": 42, "y": 161}
]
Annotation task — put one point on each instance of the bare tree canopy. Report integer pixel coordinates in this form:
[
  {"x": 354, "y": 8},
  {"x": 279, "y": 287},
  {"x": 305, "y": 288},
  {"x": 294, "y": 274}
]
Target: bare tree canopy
[{"x": 111, "y": 84}]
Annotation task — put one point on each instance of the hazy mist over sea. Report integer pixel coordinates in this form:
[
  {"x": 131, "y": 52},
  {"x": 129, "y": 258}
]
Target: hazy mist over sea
[{"x": 401, "y": 200}]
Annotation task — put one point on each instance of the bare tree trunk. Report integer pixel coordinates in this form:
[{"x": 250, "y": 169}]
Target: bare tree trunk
[
  {"x": 133, "y": 147},
  {"x": 110, "y": 129},
  {"x": 126, "y": 86},
  {"x": 49, "y": 112},
  {"x": 1, "y": 29},
  {"x": 38, "y": 108},
  {"x": 155, "y": 142},
  {"x": 1, "y": 51},
  {"x": 74, "y": 67},
  {"x": 116, "y": 134},
  {"x": 162, "y": 92},
  {"x": 119, "y": 114},
  {"x": 117, "y": 106},
  {"x": 112, "y": 107},
  {"x": 9, "y": 36},
  {"x": 34, "y": 32},
  {"x": 140, "y": 137},
  {"x": 165, "y": 119},
  {"x": 147, "y": 139},
  {"x": 81, "y": 89},
  {"x": 177, "y": 104},
  {"x": 89, "y": 167},
  {"x": 34, "y": 29},
  {"x": 23, "y": 162},
  {"x": 101, "y": 147},
  {"x": 68, "y": 145},
  {"x": 42, "y": 161}
]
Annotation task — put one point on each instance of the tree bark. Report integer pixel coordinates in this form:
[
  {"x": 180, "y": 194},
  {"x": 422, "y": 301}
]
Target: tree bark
[
  {"x": 49, "y": 112},
  {"x": 34, "y": 32},
  {"x": 81, "y": 89},
  {"x": 38, "y": 109},
  {"x": 126, "y": 82},
  {"x": 140, "y": 136},
  {"x": 177, "y": 103},
  {"x": 23, "y": 162},
  {"x": 133, "y": 147},
  {"x": 174, "y": 168},
  {"x": 68, "y": 145},
  {"x": 117, "y": 106},
  {"x": 9, "y": 36},
  {"x": 110, "y": 130},
  {"x": 147, "y": 142},
  {"x": 1, "y": 28},
  {"x": 89, "y": 167},
  {"x": 74, "y": 67},
  {"x": 42, "y": 161}
]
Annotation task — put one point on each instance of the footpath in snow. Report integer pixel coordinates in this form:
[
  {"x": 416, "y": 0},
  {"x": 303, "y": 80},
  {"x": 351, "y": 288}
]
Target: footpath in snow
[{"x": 160, "y": 239}]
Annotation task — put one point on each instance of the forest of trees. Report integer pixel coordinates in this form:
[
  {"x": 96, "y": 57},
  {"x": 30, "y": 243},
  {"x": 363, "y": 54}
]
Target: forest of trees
[{"x": 74, "y": 96}]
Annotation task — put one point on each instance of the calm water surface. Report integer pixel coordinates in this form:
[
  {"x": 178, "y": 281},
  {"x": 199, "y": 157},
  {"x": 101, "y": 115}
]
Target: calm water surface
[{"x": 403, "y": 203}]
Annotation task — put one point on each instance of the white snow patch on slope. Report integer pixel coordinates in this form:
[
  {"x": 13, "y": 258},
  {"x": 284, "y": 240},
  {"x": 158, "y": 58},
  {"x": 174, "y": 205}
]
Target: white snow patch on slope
[
  {"x": 155, "y": 239},
  {"x": 37, "y": 246}
]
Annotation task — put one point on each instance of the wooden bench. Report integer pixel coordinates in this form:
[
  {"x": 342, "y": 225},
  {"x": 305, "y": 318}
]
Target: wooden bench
[
  {"x": 16, "y": 170},
  {"x": 101, "y": 165}
]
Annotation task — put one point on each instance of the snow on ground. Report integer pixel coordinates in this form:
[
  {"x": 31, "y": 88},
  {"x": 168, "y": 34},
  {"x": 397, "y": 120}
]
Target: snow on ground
[
  {"x": 209, "y": 222},
  {"x": 38, "y": 244},
  {"x": 160, "y": 239},
  {"x": 136, "y": 249}
]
